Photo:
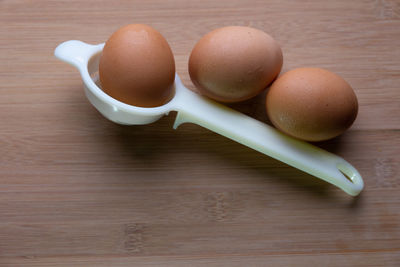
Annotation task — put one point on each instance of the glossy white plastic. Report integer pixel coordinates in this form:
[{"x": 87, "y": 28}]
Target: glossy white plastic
[{"x": 207, "y": 113}]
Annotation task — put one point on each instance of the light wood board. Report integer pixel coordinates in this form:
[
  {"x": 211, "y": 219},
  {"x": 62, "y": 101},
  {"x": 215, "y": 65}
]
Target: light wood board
[{"x": 78, "y": 190}]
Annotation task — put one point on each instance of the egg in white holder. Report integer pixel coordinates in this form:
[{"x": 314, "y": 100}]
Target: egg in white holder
[{"x": 192, "y": 107}]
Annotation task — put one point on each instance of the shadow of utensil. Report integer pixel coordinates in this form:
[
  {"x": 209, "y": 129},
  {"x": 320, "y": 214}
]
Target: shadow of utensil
[
  {"x": 334, "y": 145},
  {"x": 151, "y": 144}
]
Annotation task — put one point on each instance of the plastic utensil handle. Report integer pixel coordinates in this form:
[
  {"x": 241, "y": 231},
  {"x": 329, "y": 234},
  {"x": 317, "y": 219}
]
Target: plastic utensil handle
[
  {"x": 266, "y": 139},
  {"x": 76, "y": 53}
]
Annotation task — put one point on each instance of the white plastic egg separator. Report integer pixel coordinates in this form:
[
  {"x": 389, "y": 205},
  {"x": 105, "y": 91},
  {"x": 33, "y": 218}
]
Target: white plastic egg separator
[{"x": 192, "y": 107}]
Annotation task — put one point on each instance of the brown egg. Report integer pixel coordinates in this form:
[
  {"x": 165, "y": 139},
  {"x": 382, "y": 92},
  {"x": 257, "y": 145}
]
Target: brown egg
[
  {"x": 311, "y": 104},
  {"x": 234, "y": 63},
  {"x": 137, "y": 67}
]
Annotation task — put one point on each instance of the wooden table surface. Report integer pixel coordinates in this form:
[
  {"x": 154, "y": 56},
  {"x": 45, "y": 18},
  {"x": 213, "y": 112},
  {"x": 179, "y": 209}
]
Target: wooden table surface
[{"x": 78, "y": 190}]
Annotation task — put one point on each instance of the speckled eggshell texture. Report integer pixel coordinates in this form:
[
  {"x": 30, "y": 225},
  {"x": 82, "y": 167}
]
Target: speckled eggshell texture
[
  {"x": 137, "y": 67},
  {"x": 311, "y": 104},
  {"x": 234, "y": 63}
]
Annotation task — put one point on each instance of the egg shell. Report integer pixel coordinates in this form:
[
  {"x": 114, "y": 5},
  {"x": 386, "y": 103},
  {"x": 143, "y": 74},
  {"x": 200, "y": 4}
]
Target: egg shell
[
  {"x": 234, "y": 63},
  {"x": 311, "y": 104},
  {"x": 137, "y": 66}
]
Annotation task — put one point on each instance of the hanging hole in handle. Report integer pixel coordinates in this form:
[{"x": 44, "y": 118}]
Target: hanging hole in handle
[{"x": 347, "y": 172}]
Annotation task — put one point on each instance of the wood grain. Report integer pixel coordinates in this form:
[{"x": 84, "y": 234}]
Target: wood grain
[{"x": 78, "y": 190}]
